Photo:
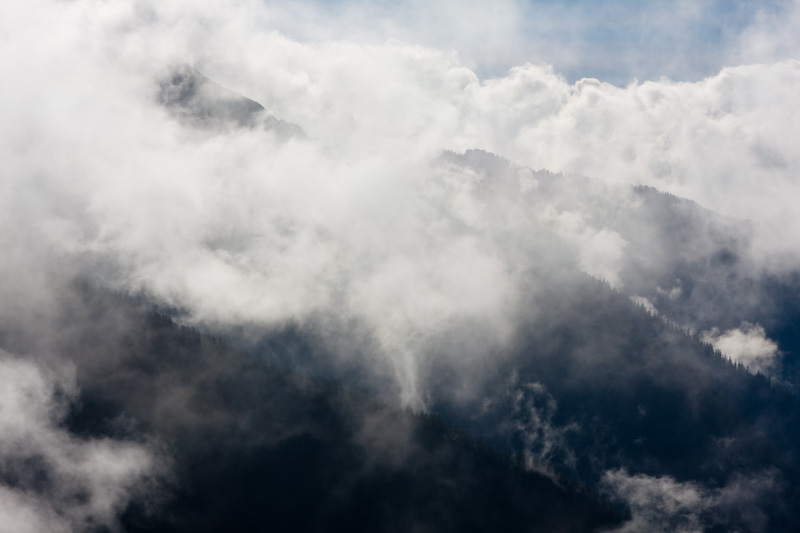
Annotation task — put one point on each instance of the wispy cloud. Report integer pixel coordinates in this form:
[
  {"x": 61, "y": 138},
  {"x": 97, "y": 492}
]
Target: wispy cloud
[
  {"x": 664, "y": 505},
  {"x": 54, "y": 480}
]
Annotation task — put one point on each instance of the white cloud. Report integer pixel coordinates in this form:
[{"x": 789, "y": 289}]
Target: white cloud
[
  {"x": 674, "y": 293},
  {"x": 613, "y": 41},
  {"x": 527, "y": 412},
  {"x": 600, "y": 251},
  {"x": 748, "y": 344},
  {"x": 646, "y": 304},
  {"x": 359, "y": 223},
  {"x": 664, "y": 505},
  {"x": 52, "y": 480},
  {"x": 771, "y": 36}
]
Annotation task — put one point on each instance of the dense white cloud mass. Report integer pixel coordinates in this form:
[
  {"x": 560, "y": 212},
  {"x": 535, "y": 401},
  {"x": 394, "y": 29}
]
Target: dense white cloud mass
[
  {"x": 358, "y": 223},
  {"x": 61, "y": 482},
  {"x": 489, "y": 34}
]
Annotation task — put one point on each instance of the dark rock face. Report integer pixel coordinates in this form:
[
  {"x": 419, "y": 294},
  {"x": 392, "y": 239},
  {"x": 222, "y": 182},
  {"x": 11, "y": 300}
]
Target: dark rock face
[{"x": 198, "y": 102}]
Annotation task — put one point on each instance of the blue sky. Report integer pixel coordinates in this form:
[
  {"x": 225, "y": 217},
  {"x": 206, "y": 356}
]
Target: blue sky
[{"x": 613, "y": 40}]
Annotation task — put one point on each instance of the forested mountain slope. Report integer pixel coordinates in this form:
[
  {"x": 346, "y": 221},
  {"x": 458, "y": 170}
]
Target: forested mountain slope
[{"x": 249, "y": 447}]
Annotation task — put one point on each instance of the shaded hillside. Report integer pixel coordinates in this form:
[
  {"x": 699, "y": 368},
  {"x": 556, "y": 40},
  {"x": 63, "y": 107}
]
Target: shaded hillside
[
  {"x": 705, "y": 276},
  {"x": 696, "y": 267},
  {"x": 254, "y": 448},
  {"x": 595, "y": 384}
]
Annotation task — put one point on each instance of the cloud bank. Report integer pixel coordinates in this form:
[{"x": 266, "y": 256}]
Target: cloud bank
[{"x": 359, "y": 222}]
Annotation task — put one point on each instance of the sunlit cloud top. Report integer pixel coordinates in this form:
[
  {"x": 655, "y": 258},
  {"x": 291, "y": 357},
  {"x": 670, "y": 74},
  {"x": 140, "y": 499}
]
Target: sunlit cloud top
[{"x": 614, "y": 41}]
